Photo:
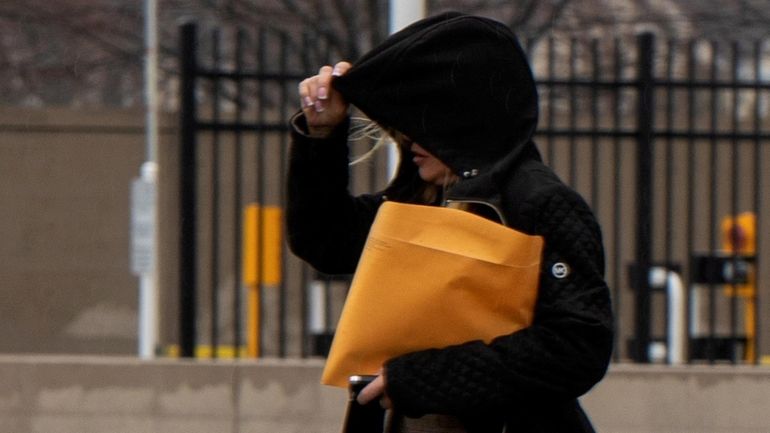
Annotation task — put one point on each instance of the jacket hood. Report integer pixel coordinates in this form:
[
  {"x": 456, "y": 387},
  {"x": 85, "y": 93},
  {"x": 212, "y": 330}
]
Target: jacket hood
[{"x": 458, "y": 85}]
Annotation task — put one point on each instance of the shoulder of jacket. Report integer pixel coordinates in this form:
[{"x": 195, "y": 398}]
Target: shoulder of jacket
[{"x": 539, "y": 198}]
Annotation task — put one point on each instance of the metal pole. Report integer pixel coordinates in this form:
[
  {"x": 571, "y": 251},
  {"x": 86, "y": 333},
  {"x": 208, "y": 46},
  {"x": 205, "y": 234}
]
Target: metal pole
[
  {"x": 401, "y": 13},
  {"x": 187, "y": 193},
  {"x": 148, "y": 287},
  {"x": 151, "y": 77},
  {"x": 644, "y": 202},
  {"x": 404, "y": 12}
]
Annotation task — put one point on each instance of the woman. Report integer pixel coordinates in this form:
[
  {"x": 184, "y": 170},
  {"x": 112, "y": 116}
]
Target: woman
[{"x": 459, "y": 92}]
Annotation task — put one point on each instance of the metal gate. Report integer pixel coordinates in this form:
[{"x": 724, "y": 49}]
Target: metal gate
[{"x": 667, "y": 142}]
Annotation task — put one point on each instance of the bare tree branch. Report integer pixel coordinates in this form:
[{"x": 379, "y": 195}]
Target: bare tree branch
[
  {"x": 525, "y": 15},
  {"x": 85, "y": 47},
  {"x": 558, "y": 9}
]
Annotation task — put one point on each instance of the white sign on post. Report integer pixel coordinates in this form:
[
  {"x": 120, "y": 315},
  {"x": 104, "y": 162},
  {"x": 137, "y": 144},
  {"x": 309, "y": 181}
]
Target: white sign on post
[{"x": 143, "y": 194}]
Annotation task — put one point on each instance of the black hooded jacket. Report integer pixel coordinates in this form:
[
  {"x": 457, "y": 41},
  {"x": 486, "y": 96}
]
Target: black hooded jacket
[{"x": 461, "y": 87}]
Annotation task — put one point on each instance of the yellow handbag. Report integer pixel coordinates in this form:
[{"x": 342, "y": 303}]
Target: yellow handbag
[{"x": 430, "y": 277}]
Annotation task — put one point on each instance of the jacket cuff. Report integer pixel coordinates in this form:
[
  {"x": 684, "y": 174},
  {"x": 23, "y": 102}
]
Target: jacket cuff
[
  {"x": 400, "y": 385},
  {"x": 323, "y": 160},
  {"x": 299, "y": 129}
]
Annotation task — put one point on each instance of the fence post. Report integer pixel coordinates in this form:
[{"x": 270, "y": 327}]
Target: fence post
[
  {"x": 646, "y": 106},
  {"x": 187, "y": 192}
]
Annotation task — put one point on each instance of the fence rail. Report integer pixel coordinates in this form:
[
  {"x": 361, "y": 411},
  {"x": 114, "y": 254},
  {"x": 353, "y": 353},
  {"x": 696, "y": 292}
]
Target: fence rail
[{"x": 671, "y": 162}]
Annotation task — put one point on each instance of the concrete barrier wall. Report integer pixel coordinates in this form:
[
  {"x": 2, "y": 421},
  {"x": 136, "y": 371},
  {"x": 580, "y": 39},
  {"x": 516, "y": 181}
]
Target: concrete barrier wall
[
  {"x": 123, "y": 395},
  {"x": 103, "y": 395},
  {"x": 687, "y": 399}
]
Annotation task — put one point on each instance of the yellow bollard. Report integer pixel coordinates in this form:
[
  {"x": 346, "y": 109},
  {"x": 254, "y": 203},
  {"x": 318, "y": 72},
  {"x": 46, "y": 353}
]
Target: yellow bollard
[
  {"x": 739, "y": 236},
  {"x": 260, "y": 222}
]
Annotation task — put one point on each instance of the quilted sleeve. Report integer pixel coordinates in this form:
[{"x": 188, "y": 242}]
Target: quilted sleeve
[
  {"x": 326, "y": 225},
  {"x": 558, "y": 358}
]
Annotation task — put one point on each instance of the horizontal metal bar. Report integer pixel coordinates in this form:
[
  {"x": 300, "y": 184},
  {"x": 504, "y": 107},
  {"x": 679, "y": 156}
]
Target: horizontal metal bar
[
  {"x": 698, "y": 84},
  {"x": 583, "y": 133},
  {"x": 566, "y": 132},
  {"x": 605, "y": 133},
  {"x": 81, "y": 129},
  {"x": 685, "y": 84},
  {"x": 579, "y": 82},
  {"x": 709, "y": 84},
  {"x": 213, "y": 74},
  {"x": 241, "y": 127},
  {"x": 737, "y": 136}
]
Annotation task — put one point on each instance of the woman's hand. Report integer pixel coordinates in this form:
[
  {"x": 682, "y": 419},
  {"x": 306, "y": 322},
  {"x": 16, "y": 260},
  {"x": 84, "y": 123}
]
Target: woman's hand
[
  {"x": 374, "y": 390},
  {"x": 323, "y": 106}
]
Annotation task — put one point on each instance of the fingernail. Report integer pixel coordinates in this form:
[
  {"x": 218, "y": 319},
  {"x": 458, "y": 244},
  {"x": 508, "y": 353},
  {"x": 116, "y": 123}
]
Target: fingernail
[
  {"x": 319, "y": 106},
  {"x": 308, "y": 101},
  {"x": 322, "y": 93},
  {"x": 336, "y": 72}
]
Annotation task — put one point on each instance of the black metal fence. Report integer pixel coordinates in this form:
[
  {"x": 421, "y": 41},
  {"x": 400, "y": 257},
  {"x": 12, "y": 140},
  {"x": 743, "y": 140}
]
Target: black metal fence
[{"x": 666, "y": 140}]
